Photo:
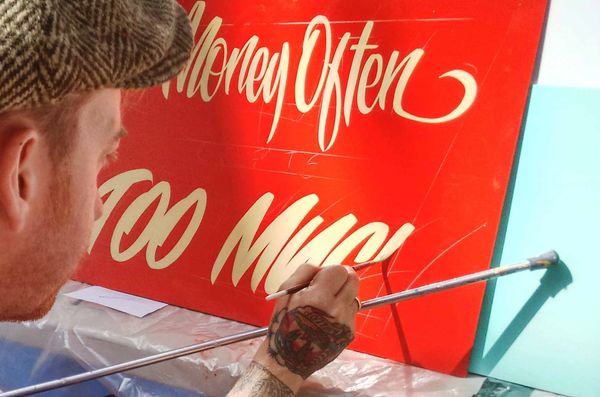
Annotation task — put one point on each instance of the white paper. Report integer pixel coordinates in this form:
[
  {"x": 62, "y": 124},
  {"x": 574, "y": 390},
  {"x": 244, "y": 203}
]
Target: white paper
[{"x": 126, "y": 303}]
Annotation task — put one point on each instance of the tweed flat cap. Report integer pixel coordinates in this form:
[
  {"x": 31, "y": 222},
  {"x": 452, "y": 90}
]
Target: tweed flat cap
[{"x": 50, "y": 48}]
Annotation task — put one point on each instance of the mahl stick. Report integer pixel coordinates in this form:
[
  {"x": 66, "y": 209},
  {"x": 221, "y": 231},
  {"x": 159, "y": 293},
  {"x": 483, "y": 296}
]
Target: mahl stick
[{"x": 542, "y": 261}]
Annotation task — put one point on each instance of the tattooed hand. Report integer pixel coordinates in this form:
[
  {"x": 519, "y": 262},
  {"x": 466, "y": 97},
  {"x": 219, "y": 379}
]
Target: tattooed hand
[
  {"x": 309, "y": 329},
  {"x": 305, "y": 339}
]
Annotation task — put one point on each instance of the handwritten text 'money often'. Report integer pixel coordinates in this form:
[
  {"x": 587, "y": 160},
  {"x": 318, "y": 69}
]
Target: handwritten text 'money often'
[{"x": 264, "y": 74}]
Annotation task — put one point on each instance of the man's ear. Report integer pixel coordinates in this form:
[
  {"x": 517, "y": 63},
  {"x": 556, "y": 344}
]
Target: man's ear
[{"x": 19, "y": 179}]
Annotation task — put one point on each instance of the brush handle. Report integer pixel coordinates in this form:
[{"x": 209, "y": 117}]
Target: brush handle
[{"x": 296, "y": 288}]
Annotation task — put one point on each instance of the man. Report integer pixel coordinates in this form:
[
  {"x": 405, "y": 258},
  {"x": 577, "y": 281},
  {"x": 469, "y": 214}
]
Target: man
[{"x": 63, "y": 66}]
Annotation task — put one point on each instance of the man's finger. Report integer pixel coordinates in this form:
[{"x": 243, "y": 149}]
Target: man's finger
[
  {"x": 304, "y": 274},
  {"x": 330, "y": 279},
  {"x": 349, "y": 290}
]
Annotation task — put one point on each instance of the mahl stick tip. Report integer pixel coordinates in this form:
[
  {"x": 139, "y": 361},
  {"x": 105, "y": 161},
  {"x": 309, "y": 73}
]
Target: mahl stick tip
[{"x": 546, "y": 259}]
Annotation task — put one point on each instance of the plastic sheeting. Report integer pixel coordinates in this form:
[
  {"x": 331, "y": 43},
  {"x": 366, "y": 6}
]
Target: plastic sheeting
[{"x": 95, "y": 336}]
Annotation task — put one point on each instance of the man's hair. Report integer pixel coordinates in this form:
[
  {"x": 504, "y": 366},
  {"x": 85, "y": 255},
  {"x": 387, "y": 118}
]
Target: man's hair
[{"x": 56, "y": 122}]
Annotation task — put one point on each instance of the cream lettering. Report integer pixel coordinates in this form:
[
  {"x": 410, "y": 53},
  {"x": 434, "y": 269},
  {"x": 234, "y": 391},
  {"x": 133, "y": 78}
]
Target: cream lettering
[
  {"x": 276, "y": 253},
  {"x": 329, "y": 76},
  {"x": 373, "y": 235},
  {"x": 262, "y": 75},
  {"x": 267, "y": 245},
  {"x": 159, "y": 227},
  {"x": 280, "y": 249},
  {"x": 313, "y": 252},
  {"x": 211, "y": 67}
]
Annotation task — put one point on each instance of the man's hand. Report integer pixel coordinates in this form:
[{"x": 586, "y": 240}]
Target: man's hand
[{"x": 309, "y": 329}]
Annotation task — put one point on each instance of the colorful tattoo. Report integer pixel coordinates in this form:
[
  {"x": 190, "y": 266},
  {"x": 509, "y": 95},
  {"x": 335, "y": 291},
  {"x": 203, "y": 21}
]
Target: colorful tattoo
[
  {"x": 306, "y": 339},
  {"x": 258, "y": 381}
]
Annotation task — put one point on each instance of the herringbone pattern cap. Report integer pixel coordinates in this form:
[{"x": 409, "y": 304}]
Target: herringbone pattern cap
[{"x": 50, "y": 48}]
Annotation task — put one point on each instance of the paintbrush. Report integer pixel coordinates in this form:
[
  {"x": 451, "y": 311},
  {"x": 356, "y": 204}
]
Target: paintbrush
[{"x": 359, "y": 266}]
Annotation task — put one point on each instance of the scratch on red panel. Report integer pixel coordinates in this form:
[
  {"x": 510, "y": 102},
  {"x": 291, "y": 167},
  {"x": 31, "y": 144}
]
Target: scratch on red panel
[
  {"x": 392, "y": 263},
  {"x": 303, "y": 152},
  {"x": 457, "y": 19},
  {"x": 380, "y": 21},
  {"x": 370, "y": 276},
  {"x": 272, "y": 149},
  {"x": 355, "y": 191},
  {"x": 306, "y": 176},
  {"x": 311, "y": 160},
  {"x": 291, "y": 153},
  {"x": 500, "y": 48},
  {"x": 444, "y": 252},
  {"x": 367, "y": 316},
  {"x": 259, "y": 123},
  {"x": 297, "y": 121},
  {"x": 425, "y": 225},
  {"x": 436, "y": 175},
  {"x": 358, "y": 333},
  {"x": 435, "y": 259},
  {"x": 429, "y": 40}
]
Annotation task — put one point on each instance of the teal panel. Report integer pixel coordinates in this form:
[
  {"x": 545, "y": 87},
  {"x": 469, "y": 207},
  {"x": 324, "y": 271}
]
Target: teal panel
[{"x": 543, "y": 329}]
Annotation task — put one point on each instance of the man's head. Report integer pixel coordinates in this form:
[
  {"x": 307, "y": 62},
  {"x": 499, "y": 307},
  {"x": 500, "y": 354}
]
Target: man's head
[
  {"x": 62, "y": 67},
  {"x": 50, "y": 160}
]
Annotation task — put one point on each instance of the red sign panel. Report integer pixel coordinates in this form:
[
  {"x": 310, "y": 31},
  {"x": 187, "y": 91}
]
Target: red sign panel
[{"x": 327, "y": 132}]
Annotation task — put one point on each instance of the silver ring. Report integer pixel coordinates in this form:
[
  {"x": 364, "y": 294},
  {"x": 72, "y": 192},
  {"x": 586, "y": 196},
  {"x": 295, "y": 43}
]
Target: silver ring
[{"x": 358, "y": 304}]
